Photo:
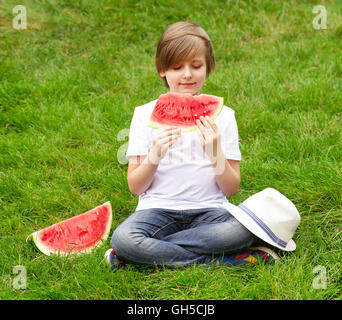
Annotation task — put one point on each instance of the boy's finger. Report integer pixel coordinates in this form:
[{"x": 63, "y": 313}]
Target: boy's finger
[
  {"x": 169, "y": 132},
  {"x": 200, "y": 133},
  {"x": 205, "y": 121},
  {"x": 207, "y": 125},
  {"x": 167, "y": 138},
  {"x": 199, "y": 124},
  {"x": 212, "y": 123}
]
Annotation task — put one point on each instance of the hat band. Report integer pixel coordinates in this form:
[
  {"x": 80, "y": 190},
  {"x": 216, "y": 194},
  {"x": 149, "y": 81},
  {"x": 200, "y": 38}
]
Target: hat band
[{"x": 263, "y": 226}]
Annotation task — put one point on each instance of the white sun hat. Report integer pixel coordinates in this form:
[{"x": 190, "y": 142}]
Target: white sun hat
[{"x": 270, "y": 216}]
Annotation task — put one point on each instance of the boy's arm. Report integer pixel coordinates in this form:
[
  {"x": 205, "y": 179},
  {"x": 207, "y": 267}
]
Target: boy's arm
[
  {"x": 141, "y": 169},
  {"x": 228, "y": 177},
  {"x": 227, "y": 171},
  {"x": 140, "y": 174}
]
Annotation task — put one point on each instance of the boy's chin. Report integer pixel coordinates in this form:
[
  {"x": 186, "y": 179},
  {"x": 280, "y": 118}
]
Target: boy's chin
[{"x": 190, "y": 91}]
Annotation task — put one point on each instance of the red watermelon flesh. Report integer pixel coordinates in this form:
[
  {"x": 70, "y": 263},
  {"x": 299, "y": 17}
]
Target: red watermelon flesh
[
  {"x": 183, "y": 109},
  {"x": 77, "y": 234}
]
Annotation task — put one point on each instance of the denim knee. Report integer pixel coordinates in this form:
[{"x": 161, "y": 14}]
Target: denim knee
[{"x": 125, "y": 239}]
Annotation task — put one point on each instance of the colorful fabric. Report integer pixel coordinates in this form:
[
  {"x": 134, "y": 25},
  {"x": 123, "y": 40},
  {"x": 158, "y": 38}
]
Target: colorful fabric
[{"x": 246, "y": 257}]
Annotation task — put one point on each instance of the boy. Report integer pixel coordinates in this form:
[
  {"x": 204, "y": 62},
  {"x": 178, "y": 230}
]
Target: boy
[{"x": 180, "y": 219}]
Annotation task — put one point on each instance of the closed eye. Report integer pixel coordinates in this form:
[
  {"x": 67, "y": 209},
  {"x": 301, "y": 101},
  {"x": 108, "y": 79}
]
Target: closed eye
[{"x": 179, "y": 67}]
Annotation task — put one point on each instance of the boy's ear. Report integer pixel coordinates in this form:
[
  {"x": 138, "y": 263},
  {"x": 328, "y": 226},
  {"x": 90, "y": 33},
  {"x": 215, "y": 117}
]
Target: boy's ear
[{"x": 161, "y": 73}]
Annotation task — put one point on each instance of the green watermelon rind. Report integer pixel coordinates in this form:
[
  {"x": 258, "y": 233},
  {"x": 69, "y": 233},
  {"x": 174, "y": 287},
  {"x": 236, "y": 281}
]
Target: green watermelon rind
[
  {"x": 156, "y": 125},
  {"x": 34, "y": 237}
]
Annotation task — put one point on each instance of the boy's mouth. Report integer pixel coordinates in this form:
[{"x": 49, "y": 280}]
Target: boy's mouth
[{"x": 187, "y": 84}]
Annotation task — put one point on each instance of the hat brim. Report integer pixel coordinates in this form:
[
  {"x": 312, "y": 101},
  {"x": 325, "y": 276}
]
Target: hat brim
[{"x": 253, "y": 227}]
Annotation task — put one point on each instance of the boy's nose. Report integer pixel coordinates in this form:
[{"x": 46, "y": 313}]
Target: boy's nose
[{"x": 187, "y": 73}]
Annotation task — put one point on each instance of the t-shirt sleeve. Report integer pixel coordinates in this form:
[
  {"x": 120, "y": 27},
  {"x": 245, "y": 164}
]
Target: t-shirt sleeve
[
  {"x": 230, "y": 138},
  {"x": 138, "y": 142}
]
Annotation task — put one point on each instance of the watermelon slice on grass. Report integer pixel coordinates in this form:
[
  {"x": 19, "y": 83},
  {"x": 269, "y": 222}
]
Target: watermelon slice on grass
[
  {"x": 79, "y": 234},
  {"x": 182, "y": 110}
]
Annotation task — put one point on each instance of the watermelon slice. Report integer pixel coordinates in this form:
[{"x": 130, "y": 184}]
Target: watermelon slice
[
  {"x": 182, "y": 110},
  {"x": 78, "y": 234}
]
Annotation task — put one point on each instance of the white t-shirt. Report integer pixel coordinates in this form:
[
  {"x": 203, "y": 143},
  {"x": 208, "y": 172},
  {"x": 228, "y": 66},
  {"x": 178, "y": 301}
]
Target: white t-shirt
[{"x": 185, "y": 177}]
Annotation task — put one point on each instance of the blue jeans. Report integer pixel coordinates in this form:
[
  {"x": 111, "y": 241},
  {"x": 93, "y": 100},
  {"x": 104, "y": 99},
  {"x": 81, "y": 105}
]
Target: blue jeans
[{"x": 178, "y": 238}]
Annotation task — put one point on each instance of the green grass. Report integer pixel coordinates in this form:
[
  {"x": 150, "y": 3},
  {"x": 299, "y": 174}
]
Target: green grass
[{"x": 68, "y": 87}]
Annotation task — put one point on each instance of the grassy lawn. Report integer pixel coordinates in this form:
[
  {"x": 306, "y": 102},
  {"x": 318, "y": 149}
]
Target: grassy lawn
[{"x": 68, "y": 87}]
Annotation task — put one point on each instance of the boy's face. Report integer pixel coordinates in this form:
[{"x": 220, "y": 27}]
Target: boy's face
[{"x": 187, "y": 76}]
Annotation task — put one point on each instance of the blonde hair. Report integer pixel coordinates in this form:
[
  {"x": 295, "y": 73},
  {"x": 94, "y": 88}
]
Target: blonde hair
[{"x": 183, "y": 40}]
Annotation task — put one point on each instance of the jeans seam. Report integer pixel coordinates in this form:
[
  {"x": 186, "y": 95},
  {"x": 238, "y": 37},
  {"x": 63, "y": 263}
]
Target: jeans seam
[
  {"x": 163, "y": 227},
  {"x": 209, "y": 222}
]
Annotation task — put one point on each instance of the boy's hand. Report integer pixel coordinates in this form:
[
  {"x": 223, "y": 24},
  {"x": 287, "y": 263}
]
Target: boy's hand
[
  {"x": 162, "y": 140},
  {"x": 210, "y": 137}
]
